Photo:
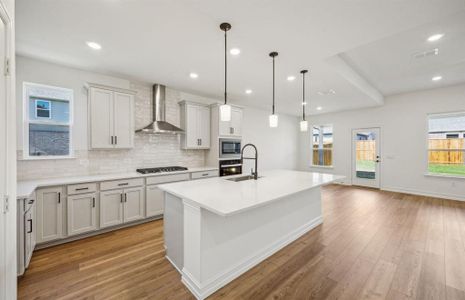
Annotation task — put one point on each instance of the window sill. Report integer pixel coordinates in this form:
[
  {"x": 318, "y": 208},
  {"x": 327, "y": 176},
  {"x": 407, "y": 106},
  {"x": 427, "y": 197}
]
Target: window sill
[
  {"x": 321, "y": 167},
  {"x": 444, "y": 176},
  {"x": 46, "y": 158}
]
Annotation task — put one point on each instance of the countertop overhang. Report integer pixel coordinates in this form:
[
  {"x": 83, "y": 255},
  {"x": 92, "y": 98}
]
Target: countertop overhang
[{"x": 225, "y": 197}]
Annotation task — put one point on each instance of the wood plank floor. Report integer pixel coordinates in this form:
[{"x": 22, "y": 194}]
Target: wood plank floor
[{"x": 372, "y": 245}]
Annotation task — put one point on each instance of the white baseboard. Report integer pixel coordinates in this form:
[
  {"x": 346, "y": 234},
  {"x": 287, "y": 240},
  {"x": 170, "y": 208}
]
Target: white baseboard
[
  {"x": 422, "y": 193},
  {"x": 171, "y": 262},
  {"x": 201, "y": 291}
]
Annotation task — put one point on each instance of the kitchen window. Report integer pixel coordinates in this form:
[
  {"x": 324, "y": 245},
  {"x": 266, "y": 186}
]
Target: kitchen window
[
  {"x": 446, "y": 144},
  {"x": 47, "y": 121},
  {"x": 322, "y": 145}
]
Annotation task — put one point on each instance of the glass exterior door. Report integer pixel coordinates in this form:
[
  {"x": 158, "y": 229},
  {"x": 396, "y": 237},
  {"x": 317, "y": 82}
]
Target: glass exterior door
[{"x": 366, "y": 157}]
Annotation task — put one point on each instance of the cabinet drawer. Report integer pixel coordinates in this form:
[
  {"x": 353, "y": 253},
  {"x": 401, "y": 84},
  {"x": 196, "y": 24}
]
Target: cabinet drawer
[
  {"x": 167, "y": 178},
  {"x": 204, "y": 174},
  {"x": 119, "y": 184},
  {"x": 82, "y": 188}
]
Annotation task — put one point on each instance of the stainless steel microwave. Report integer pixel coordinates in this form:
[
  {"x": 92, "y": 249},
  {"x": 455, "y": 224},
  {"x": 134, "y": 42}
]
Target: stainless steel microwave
[{"x": 230, "y": 148}]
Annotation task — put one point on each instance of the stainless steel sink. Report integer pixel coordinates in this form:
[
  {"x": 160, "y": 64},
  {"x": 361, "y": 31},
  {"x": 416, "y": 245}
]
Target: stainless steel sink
[{"x": 242, "y": 178}]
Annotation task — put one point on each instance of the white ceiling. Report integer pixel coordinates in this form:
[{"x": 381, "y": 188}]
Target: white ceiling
[
  {"x": 163, "y": 41},
  {"x": 390, "y": 64}
]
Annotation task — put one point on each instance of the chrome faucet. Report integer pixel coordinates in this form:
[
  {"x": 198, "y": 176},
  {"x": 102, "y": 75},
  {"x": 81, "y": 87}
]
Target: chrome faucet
[{"x": 254, "y": 174}]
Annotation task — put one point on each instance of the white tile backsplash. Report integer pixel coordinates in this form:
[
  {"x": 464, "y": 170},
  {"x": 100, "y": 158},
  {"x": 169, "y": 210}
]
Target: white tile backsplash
[{"x": 149, "y": 150}]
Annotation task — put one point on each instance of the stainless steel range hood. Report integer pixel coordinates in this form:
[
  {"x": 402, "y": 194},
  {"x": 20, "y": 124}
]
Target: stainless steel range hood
[{"x": 159, "y": 124}]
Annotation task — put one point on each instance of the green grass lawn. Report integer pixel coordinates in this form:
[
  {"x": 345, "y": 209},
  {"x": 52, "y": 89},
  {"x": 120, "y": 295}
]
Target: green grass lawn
[
  {"x": 365, "y": 165},
  {"x": 447, "y": 169}
]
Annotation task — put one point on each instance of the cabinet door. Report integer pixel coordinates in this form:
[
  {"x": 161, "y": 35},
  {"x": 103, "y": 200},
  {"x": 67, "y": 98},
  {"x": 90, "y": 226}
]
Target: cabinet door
[
  {"x": 49, "y": 214},
  {"x": 192, "y": 138},
  {"x": 154, "y": 201},
  {"x": 101, "y": 118},
  {"x": 82, "y": 215},
  {"x": 224, "y": 127},
  {"x": 134, "y": 202},
  {"x": 123, "y": 120},
  {"x": 28, "y": 229},
  {"x": 236, "y": 121},
  {"x": 203, "y": 126},
  {"x": 111, "y": 208}
]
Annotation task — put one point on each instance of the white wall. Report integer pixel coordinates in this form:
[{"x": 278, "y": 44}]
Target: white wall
[
  {"x": 278, "y": 148},
  {"x": 403, "y": 123}
]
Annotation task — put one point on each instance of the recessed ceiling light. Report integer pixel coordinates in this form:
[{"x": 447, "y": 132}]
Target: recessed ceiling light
[
  {"x": 235, "y": 51},
  {"x": 319, "y": 108},
  {"x": 436, "y": 78},
  {"x": 435, "y": 37},
  {"x": 194, "y": 75},
  {"x": 94, "y": 45},
  {"x": 248, "y": 91},
  {"x": 290, "y": 78}
]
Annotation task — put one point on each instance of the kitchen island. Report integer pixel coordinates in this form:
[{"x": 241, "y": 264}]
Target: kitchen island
[{"x": 216, "y": 229}]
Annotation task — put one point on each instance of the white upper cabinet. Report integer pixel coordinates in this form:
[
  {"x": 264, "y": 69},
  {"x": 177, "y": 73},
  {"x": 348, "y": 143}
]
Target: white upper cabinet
[
  {"x": 195, "y": 121},
  {"x": 231, "y": 128},
  {"x": 111, "y": 117}
]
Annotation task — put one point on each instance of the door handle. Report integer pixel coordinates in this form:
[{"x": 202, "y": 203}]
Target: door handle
[{"x": 30, "y": 225}]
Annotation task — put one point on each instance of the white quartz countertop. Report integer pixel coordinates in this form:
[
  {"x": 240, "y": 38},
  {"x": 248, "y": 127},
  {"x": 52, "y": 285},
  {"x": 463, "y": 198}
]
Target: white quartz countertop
[
  {"x": 26, "y": 188},
  {"x": 224, "y": 197}
]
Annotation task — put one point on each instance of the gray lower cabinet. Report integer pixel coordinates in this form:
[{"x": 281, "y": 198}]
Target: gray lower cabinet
[
  {"x": 155, "y": 201},
  {"x": 121, "y": 206},
  {"x": 133, "y": 206},
  {"x": 49, "y": 214},
  {"x": 111, "y": 208},
  {"x": 82, "y": 213}
]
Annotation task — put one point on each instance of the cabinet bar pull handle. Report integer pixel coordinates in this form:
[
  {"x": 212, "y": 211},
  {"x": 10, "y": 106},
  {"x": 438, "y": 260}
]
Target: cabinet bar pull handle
[
  {"x": 125, "y": 197},
  {"x": 82, "y": 189},
  {"x": 112, "y": 140},
  {"x": 205, "y": 174},
  {"x": 125, "y": 183},
  {"x": 59, "y": 197},
  {"x": 200, "y": 142},
  {"x": 121, "y": 197},
  {"x": 93, "y": 201},
  {"x": 116, "y": 140},
  {"x": 30, "y": 225}
]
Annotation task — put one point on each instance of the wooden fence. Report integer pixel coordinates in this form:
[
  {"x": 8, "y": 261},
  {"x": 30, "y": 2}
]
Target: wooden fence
[
  {"x": 446, "y": 151},
  {"x": 327, "y": 155},
  {"x": 366, "y": 150}
]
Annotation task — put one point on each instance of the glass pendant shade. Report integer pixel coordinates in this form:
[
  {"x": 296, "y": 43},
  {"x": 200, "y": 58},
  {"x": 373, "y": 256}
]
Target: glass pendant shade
[
  {"x": 303, "y": 126},
  {"x": 273, "y": 121},
  {"x": 225, "y": 112}
]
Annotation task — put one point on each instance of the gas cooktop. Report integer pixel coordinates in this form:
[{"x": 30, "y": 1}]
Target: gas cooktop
[{"x": 161, "y": 170}]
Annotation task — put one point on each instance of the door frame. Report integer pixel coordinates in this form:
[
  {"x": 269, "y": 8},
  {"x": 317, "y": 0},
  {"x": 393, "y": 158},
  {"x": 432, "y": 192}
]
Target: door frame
[
  {"x": 8, "y": 256},
  {"x": 366, "y": 183}
]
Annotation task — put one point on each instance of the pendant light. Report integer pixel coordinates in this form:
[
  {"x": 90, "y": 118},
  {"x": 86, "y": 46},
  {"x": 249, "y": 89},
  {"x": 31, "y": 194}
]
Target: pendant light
[
  {"x": 273, "y": 117},
  {"x": 225, "y": 109},
  {"x": 303, "y": 123}
]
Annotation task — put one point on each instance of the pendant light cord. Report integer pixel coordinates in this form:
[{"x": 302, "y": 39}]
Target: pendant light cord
[
  {"x": 273, "y": 86},
  {"x": 304, "y": 103},
  {"x": 303, "y": 96},
  {"x": 225, "y": 68}
]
